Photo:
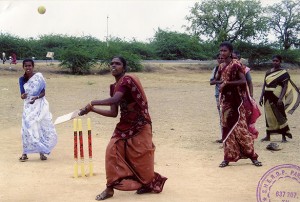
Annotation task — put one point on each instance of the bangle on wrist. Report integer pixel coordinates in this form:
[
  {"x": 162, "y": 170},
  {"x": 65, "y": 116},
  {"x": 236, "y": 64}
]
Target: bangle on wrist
[{"x": 91, "y": 104}]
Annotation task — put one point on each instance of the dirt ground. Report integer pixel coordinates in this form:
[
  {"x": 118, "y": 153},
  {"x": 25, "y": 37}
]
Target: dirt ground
[{"x": 185, "y": 127}]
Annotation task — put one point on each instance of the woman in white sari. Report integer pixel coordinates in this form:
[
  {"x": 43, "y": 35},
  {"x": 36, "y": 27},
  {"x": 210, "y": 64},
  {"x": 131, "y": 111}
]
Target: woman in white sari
[{"x": 38, "y": 132}]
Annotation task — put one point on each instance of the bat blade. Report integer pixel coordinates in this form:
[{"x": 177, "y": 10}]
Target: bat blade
[{"x": 66, "y": 117}]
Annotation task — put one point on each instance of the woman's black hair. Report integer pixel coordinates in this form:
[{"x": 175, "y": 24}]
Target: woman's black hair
[
  {"x": 228, "y": 45},
  {"x": 237, "y": 53},
  {"x": 28, "y": 60},
  {"x": 278, "y": 57},
  {"x": 123, "y": 61}
]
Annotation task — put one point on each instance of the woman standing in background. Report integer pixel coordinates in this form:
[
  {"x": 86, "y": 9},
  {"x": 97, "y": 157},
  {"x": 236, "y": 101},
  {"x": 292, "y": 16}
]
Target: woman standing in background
[
  {"x": 279, "y": 95},
  {"x": 38, "y": 132}
]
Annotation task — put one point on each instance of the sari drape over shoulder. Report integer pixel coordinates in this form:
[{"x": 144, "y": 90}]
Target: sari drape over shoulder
[
  {"x": 38, "y": 132},
  {"x": 239, "y": 114},
  {"x": 276, "y": 119},
  {"x": 129, "y": 159}
]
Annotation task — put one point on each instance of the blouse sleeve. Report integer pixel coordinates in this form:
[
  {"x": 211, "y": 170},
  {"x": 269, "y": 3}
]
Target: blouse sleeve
[
  {"x": 239, "y": 68},
  {"x": 213, "y": 73},
  {"x": 125, "y": 84},
  {"x": 21, "y": 84}
]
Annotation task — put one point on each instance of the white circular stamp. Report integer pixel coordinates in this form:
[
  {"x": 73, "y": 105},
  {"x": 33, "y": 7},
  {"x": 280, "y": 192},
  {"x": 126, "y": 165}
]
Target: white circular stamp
[{"x": 280, "y": 183}]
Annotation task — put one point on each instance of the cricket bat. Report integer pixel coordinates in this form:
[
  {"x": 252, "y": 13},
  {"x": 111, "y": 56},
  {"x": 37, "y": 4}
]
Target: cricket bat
[{"x": 66, "y": 117}]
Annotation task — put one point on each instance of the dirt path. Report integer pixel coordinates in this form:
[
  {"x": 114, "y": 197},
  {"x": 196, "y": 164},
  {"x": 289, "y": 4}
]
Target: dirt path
[{"x": 185, "y": 125}]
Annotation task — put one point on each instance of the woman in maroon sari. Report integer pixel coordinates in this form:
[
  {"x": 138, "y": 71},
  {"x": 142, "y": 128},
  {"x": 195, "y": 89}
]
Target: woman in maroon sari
[
  {"x": 238, "y": 110},
  {"x": 129, "y": 159}
]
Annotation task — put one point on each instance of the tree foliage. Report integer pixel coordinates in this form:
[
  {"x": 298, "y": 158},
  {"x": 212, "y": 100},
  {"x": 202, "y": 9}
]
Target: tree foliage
[
  {"x": 223, "y": 20},
  {"x": 174, "y": 45},
  {"x": 284, "y": 20},
  {"x": 257, "y": 54},
  {"x": 210, "y": 21},
  {"x": 13, "y": 44},
  {"x": 119, "y": 47}
]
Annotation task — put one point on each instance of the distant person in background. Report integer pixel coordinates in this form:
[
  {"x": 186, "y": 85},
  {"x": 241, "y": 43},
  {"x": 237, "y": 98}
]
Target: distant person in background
[
  {"x": 213, "y": 81},
  {"x": 13, "y": 58},
  {"x": 38, "y": 132},
  {"x": 3, "y": 57},
  {"x": 279, "y": 95},
  {"x": 236, "y": 55}
]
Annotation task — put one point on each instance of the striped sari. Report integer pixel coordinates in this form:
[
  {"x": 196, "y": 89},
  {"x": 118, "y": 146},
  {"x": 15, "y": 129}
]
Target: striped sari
[
  {"x": 129, "y": 159},
  {"x": 275, "y": 115},
  {"x": 238, "y": 112}
]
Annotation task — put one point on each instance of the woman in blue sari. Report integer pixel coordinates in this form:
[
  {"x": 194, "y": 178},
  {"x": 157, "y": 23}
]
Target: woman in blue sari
[{"x": 38, "y": 132}]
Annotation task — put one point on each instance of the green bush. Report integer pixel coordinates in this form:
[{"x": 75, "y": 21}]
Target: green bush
[
  {"x": 78, "y": 60},
  {"x": 258, "y": 54},
  {"x": 291, "y": 56},
  {"x": 133, "y": 61},
  {"x": 174, "y": 45},
  {"x": 117, "y": 47}
]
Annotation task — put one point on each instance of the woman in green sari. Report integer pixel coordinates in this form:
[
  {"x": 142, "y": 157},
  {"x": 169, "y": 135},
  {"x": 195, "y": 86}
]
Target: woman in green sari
[{"x": 279, "y": 95}]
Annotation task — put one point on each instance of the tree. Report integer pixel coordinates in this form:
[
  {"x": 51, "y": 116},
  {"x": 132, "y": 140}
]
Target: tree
[
  {"x": 13, "y": 44},
  {"x": 284, "y": 19},
  {"x": 77, "y": 56},
  {"x": 171, "y": 45},
  {"x": 119, "y": 47},
  {"x": 78, "y": 60},
  {"x": 257, "y": 54},
  {"x": 223, "y": 20}
]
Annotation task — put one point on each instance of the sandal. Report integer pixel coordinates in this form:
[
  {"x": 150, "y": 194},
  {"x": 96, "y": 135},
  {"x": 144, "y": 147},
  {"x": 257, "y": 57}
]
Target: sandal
[
  {"x": 143, "y": 190},
  {"x": 23, "y": 158},
  {"x": 224, "y": 164},
  {"x": 104, "y": 195},
  {"x": 289, "y": 135},
  {"x": 256, "y": 162},
  {"x": 219, "y": 141},
  {"x": 273, "y": 146},
  {"x": 43, "y": 157}
]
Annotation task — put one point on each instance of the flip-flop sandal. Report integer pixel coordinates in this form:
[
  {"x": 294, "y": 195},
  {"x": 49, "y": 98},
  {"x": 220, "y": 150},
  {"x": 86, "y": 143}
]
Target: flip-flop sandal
[
  {"x": 144, "y": 190},
  {"x": 256, "y": 163},
  {"x": 224, "y": 164},
  {"x": 43, "y": 157},
  {"x": 273, "y": 146},
  {"x": 104, "y": 195},
  {"x": 289, "y": 135},
  {"x": 219, "y": 141},
  {"x": 23, "y": 158}
]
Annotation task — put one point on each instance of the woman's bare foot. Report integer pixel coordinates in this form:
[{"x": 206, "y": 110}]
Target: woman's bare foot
[{"x": 107, "y": 193}]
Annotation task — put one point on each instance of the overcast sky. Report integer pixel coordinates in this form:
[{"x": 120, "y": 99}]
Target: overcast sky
[{"x": 127, "y": 19}]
